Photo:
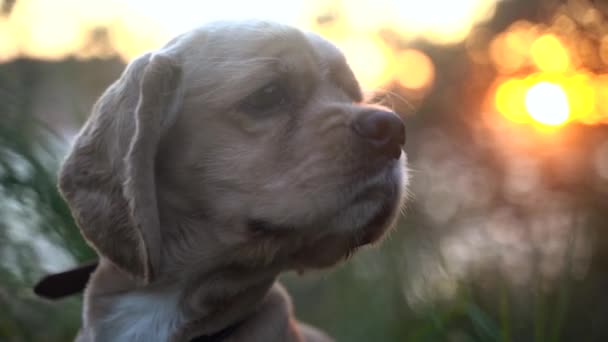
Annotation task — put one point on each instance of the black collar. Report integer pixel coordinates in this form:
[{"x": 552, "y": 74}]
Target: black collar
[{"x": 218, "y": 336}]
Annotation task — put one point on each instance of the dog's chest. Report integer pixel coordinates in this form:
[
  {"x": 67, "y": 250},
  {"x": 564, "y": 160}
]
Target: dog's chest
[{"x": 141, "y": 317}]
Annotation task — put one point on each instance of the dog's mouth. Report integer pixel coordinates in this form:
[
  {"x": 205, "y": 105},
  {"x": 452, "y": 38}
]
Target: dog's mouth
[
  {"x": 364, "y": 219},
  {"x": 387, "y": 199},
  {"x": 375, "y": 227}
]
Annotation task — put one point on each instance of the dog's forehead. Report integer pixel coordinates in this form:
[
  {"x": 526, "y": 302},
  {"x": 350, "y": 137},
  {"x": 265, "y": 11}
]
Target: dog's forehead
[
  {"x": 239, "y": 41},
  {"x": 329, "y": 54},
  {"x": 233, "y": 55},
  {"x": 242, "y": 53},
  {"x": 333, "y": 63}
]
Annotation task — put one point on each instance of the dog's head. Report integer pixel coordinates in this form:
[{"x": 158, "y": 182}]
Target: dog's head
[{"x": 240, "y": 143}]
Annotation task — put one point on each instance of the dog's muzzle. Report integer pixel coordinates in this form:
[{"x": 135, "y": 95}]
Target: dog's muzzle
[{"x": 382, "y": 136}]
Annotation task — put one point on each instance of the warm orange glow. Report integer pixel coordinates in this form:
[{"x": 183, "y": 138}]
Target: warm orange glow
[
  {"x": 556, "y": 87},
  {"x": 510, "y": 50},
  {"x": 509, "y": 100},
  {"x": 63, "y": 28},
  {"x": 143, "y": 36},
  {"x": 547, "y": 103},
  {"x": 8, "y": 44},
  {"x": 441, "y": 21},
  {"x": 414, "y": 70},
  {"x": 549, "y": 54},
  {"x": 604, "y": 49},
  {"x": 582, "y": 97},
  {"x": 369, "y": 58},
  {"x": 601, "y": 96},
  {"x": 552, "y": 100}
]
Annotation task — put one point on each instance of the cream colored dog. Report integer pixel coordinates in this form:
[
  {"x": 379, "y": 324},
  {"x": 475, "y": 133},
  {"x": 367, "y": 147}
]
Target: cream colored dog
[{"x": 234, "y": 153}]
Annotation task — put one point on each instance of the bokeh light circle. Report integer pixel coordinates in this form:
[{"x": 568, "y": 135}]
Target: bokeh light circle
[{"x": 547, "y": 103}]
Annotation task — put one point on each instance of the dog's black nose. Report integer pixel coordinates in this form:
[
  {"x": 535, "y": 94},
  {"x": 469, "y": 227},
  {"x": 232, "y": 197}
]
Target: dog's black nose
[{"x": 383, "y": 131}]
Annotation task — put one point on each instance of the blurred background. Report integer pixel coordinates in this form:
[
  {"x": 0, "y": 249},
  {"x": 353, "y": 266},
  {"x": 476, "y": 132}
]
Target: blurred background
[{"x": 506, "y": 106}]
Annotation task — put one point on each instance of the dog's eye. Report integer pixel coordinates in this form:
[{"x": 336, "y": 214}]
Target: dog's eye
[{"x": 268, "y": 97}]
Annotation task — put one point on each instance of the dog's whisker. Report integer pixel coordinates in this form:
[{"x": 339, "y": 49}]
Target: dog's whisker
[{"x": 388, "y": 95}]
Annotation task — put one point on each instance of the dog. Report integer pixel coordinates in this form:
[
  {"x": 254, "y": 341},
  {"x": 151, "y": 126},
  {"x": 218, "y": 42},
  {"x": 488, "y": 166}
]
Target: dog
[{"x": 238, "y": 151}]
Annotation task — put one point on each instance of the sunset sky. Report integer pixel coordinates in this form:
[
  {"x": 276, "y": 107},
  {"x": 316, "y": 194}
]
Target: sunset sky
[
  {"x": 58, "y": 29},
  {"x": 53, "y": 30}
]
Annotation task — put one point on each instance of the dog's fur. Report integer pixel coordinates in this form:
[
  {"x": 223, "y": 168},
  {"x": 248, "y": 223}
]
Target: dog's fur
[{"x": 198, "y": 181}]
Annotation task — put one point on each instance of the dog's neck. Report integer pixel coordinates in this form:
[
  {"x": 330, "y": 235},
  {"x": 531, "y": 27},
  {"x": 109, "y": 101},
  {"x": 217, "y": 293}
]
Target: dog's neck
[
  {"x": 172, "y": 308},
  {"x": 217, "y": 291},
  {"x": 199, "y": 290},
  {"x": 117, "y": 309}
]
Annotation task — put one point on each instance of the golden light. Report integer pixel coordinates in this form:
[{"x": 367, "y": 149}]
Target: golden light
[
  {"x": 582, "y": 97},
  {"x": 63, "y": 28},
  {"x": 547, "y": 103},
  {"x": 413, "y": 69},
  {"x": 510, "y": 102},
  {"x": 369, "y": 57},
  {"x": 510, "y": 50},
  {"x": 547, "y": 99},
  {"x": 601, "y": 95},
  {"x": 65, "y": 35},
  {"x": 549, "y": 54},
  {"x": 440, "y": 21},
  {"x": 365, "y": 15},
  {"x": 9, "y": 48},
  {"x": 545, "y": 74},
  {"x": 604, "y": 49}
]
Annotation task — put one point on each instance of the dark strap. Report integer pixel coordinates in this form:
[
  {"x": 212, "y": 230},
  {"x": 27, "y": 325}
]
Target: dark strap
[
  {"x": 219, "y": 336},
  {"x": 67, "y": 283}
]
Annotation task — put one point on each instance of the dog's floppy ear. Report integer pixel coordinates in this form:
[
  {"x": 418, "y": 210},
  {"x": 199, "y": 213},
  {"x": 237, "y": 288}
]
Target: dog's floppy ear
[{"x": 108, "y": 178}]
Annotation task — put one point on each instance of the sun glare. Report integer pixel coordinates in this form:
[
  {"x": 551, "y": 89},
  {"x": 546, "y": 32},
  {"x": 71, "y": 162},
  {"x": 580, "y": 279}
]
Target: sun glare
[
  {"x": 414, "y": 70},
  {"x": 549, "y": 99},
  {"x": 131, "y": 27},
  {"x": 509, "y": 100},
  {"x": 549, "y": 54},
  {"x": 441, "y": 21},
  {"x": 369, "y": 58},
  {"x": 547, "y": 103},
  {"x": 548, "y": 75}
]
